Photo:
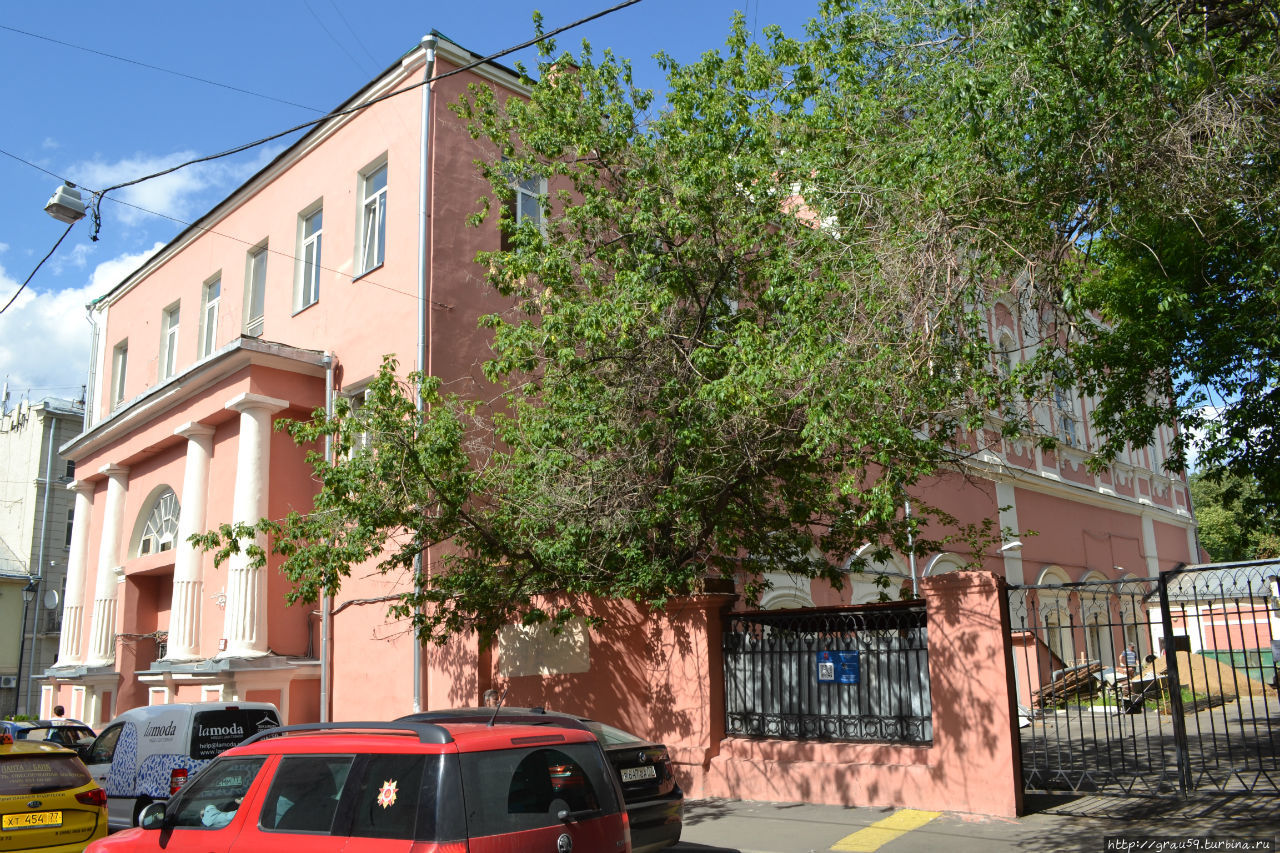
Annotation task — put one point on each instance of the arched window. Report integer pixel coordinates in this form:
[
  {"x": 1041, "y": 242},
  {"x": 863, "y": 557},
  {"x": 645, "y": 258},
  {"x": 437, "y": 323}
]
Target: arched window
[{"x": 160, "y": 530}]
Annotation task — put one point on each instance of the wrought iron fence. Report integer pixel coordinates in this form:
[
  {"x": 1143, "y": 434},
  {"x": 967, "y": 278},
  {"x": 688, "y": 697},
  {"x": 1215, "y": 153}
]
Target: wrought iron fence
[
  {"x": 1150, "y": 685},
  {"x": 833, "y": 674}
]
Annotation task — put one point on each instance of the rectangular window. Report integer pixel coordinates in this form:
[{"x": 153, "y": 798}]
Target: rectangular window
[
  {"x": 524, "y": 204},
  {"x": 373, "y": 219},
  {"x": 1065, "y": 416},
  {"x": 71, "y": 469},
  {"x": 169, "y": 342},
  {"x": 362, "y": 439},
  {"x": 119, "y": 363},
  {"x": 255, "y": 296},
  {"x": 71, "y": 520},
  {"x": 307, "y": 290},
  {"x": 211, "y": 300}
]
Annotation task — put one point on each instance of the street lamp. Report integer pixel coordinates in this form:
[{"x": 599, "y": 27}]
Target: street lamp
[
  {"x": 66, "y": 205},
  {"x": 28, "y": 593}
]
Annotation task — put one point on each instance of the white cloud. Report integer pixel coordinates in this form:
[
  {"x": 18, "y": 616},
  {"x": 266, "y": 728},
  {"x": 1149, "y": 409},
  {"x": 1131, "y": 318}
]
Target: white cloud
[
  {"x": 45, "y": 337},
  {"x": 182, "y": 195}
]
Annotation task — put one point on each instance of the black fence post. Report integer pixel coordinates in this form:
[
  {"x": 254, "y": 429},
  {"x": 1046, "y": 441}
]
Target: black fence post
[{"x": 1181, "y": 753}]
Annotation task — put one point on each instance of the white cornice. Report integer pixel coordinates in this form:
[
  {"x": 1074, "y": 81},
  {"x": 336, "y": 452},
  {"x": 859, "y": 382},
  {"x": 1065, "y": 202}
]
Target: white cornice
[
  {"x": 1078, "y": 493},
  {"x": 236, "y": 356}
]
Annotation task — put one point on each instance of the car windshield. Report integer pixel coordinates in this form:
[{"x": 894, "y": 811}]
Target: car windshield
[
  {"x": 609, "y": 736},
  {"x": 40, "y": 773}
]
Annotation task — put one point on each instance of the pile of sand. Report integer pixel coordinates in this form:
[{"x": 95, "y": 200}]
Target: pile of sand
[{"x": 1207, "y": 676}]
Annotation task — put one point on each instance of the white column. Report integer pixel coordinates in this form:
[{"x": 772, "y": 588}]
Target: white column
[
  {"x": 70, "y": 652},
  {"x": 1149, "y": 544},
  {"x": 188, "y": 585},
  {"x": 246, "y": 616},
  {"x": 1007, "y": 501},
  {"x": 102, "y": 638}
]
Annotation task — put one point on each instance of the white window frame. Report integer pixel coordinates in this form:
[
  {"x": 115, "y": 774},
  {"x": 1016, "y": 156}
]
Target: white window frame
[
  {"x": 255, "y": 290},
  {"x": 371, "y": 236},
  {"x": 160, "y": 529},
  {"x": 1066, "y": 421},
  {"x": 525, "y": 192},
  {"x": 357, "y": 397},
  {"x": 306, "y": 285},
  {"x": 210, "y": 304},
  {"x": 170, "y": 322},
  {"x": 119, "y": 366}
]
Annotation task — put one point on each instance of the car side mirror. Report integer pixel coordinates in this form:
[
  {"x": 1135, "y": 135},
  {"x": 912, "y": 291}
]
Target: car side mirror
[{"x": 151, "y": 816}]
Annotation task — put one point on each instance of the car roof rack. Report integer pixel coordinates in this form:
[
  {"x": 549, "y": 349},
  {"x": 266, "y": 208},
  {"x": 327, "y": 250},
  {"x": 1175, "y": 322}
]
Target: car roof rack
[
  {"x": 426, "y": 732},
  {"x": 527, "y": 717}
]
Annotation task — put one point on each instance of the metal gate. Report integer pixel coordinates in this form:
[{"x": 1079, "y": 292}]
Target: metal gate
[
  {"x": 838, "y": 673},
  {"x": 1150, "y": 686}
]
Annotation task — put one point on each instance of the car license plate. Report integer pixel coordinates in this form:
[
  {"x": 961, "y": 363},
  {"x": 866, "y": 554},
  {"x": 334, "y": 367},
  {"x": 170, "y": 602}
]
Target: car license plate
[
  {"x": 635, "y": 774},
  {"x": 31, "y": 820}
]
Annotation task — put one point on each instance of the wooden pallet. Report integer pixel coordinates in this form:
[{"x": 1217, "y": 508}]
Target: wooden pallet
[{"x": 1076, "y": 681}]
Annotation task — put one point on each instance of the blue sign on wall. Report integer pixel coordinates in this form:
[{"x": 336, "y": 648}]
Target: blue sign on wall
[{"x": 837, "y": 667}]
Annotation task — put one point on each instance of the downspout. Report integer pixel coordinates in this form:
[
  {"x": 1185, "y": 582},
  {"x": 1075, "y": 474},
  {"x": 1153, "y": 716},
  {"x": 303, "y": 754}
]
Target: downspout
[
  {"x": 424, "y": 286},
  {"x": 44, "y": 532},
  {"x": 93, "y": 365},
  {"x": 911, "y": 548},
  {"x": 326, "y": 601}
]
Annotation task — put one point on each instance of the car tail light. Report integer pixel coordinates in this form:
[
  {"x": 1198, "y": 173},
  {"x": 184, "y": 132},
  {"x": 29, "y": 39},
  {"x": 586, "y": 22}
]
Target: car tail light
[
  {"x": 438, "y": 847},
  {"x": 626, "y": 828},
  {"x": 96, "y": 797},
  {"x": 177, "y": 778}
]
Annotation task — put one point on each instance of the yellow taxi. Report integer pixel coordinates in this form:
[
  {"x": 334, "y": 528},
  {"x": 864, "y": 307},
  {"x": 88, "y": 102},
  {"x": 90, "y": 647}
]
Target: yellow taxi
[{"x": 48, "y": 800}]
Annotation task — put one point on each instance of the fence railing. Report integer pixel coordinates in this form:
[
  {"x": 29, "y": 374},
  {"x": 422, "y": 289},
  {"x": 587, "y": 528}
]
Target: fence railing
[{"x": 849, "y": 673}]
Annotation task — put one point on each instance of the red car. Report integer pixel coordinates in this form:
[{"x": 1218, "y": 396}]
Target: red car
[{"x": 378, "y": 787}]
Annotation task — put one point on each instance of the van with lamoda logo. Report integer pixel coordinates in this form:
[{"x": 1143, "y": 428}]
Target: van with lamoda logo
[{"x": 146, "y": 754}]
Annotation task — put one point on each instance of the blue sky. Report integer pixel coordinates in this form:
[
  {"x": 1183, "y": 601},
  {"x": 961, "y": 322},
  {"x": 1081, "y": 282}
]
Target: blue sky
[{"x": 99, "y": 121}]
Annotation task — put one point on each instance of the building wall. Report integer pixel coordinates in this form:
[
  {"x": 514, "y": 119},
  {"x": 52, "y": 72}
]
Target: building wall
[
  {"x": 653, "y": 674},
  {"x": 33, "y": 538}
]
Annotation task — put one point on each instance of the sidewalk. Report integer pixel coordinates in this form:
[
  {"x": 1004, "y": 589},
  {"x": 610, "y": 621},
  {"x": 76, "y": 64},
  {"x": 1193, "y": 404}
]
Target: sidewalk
[{"x": 1074, "y": 825}]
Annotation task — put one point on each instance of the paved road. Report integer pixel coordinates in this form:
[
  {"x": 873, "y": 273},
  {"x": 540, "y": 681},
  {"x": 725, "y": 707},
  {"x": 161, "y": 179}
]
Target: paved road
[{"x": 1070, "y": 825}]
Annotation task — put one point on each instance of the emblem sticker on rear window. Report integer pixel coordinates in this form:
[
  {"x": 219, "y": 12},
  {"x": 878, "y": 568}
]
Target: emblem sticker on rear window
[{"x": 387, "y": 794}]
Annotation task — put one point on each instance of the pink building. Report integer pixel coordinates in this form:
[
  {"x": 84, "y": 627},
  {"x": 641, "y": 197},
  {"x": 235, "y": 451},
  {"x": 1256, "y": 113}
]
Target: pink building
[{"x": 293, "y": 289}]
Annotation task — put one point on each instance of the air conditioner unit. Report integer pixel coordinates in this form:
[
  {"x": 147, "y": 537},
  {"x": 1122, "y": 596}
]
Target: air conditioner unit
[{"x": 8, "y": 681}]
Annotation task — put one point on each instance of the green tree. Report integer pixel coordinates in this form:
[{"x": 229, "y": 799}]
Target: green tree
[
  {"x": 755, "y": 316},
  {"x": 1234, "y": 522},
  {"x": 698, "y": 378}
]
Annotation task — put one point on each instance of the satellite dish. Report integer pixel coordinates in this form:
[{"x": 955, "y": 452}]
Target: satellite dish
[{"x": 51, "y": 599}]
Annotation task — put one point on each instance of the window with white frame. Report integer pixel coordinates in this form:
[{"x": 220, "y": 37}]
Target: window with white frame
[
  {"x": 255, "y": 294},
  {"x": 1064, "y": 415},
  {"x": 373, "y": 218},
  {"x": 169, "y": 341},
  {"x": 307, "y": 287},
  {"x": 119, "y": 364},
  {"x": 210, "y": 300},
  {"x": 356, "y": 399},
  {"x": 525, "y": 203},
  {"x": 160, "y": 530},
  {"x": 71, "y": 522}
]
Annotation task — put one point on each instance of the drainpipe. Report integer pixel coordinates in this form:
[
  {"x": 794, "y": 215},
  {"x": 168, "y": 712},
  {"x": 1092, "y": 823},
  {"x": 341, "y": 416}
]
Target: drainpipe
[
  {"x": 326, "y": 601},
  {"x": 44, "y": 533},
  {"x": 911, "y": 548},
  {"x": 424, "y": 309},
  {"x": 93, "y": 365}
]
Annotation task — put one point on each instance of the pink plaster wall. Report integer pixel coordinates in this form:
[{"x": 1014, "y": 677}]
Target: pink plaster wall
[{"x": 973, "y": 764}]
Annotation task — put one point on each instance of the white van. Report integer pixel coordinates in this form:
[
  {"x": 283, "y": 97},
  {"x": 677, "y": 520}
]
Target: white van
[{"x": 146, "y": 754}]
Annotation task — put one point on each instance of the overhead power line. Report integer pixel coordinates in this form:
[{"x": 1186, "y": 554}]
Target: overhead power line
[
  {"x": 158, "y": 68},
  {"x": 37, "y": 269},
  {"x": 97, "y": 196},
  {"x": 338, "y": 113}
]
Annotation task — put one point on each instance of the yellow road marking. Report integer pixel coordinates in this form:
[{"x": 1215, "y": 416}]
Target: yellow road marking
[{"x": 883, "y": 831}]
